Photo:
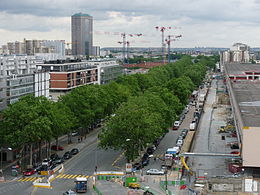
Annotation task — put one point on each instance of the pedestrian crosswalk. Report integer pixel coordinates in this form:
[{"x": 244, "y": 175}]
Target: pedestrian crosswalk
[
  {"x": 26, "y": 179},
  {"x": 61, "y": 176},
  {"x": 70, "y": 176}
]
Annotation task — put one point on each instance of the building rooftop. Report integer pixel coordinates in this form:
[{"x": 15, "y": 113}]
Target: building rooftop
[
  {"x": 238, "y": 68},
  {"x": 247, "y": 94},
  {"x": 81, "y": 14}
]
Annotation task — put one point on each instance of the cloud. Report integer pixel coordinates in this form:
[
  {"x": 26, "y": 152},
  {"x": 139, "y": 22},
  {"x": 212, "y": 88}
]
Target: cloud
[{"x": 202, "y": 22}]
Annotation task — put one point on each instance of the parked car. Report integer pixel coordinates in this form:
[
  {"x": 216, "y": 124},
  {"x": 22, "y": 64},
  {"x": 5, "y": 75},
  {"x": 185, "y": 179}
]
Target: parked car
[
  {"x": 179, "y": 142},
  {"x": 67, "y": 155},
  {"x": 57, "y": 148},
  {"x": 137, "y": 166},
  {"x": 29, "y": 172},
  {"x": 185, "y": 131},
  {"x": 74, "y": 133},
  {"x": 69, "y": 192},
  {"x": 145, "y": 162},
  {"x": 154, "y": 172},
  {"x": 53, "y": 157},
  {"x": 235, "y": 152},
  {"x": 234, "y": 146},
  {"x": 59, "y": 160},
  {"x": 183, "y": 134},
  {"x": 150, "y": 150},
  {"x": 47, "y": 162},
  {"x": 74, "y": 151}
]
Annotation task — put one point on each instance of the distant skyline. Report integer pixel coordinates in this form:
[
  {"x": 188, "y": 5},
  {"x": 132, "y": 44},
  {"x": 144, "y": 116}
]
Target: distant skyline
[{"x": 202, "y": 23}]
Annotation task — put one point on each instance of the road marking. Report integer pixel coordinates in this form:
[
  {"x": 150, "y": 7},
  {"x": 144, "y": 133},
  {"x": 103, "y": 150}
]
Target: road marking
[
  {"x": 34, "y": 190},
  {"x": 120, "y": 156}
]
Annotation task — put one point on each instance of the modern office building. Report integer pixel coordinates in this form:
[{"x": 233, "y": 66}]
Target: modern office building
[
  {"x": 67, "y": 75},
  {"x": 108, "y": 70},
  {"x": 82, "y": 34}
]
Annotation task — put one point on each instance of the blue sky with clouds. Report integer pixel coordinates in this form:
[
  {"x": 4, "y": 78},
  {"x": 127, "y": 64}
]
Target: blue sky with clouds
[{"x": 201, "y": 22}]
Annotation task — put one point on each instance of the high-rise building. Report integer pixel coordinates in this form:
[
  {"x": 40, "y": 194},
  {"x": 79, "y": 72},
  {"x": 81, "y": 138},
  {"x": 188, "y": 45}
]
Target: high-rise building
[{"x": 82, "y": 34}]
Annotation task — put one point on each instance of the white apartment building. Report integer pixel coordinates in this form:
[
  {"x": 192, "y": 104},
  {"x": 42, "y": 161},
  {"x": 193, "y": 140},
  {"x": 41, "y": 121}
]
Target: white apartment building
[
  {"x": 18, "y": 77},
  {"x": 238, "y": 53}
]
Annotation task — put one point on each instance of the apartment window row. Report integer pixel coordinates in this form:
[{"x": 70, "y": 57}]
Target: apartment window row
[
  {"x": 20, "y": 81},
  {"x": 20, "y": 91}
]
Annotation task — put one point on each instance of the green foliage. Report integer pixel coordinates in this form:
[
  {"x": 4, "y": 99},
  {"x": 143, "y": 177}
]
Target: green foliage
[
  {"x": 145, "y": 105},
  {"x": 134, "y": 125}
]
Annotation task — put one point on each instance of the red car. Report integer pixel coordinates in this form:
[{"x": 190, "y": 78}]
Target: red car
[
  {"x": 29, "y": 172},
  {"x": 235, "y": 152},
  {"x": 56, "y": 148}
]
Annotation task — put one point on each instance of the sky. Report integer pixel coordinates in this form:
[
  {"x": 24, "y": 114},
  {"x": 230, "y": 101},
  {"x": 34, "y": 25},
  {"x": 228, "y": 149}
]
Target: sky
[{"x": 202, "y": 23}]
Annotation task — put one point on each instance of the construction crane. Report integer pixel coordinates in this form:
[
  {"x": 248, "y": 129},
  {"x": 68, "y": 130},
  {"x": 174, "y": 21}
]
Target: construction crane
[
  {"x": 168, "y": 42},
  {"x": 162, "y": 29},
  {"x": 126, "y": 44}
]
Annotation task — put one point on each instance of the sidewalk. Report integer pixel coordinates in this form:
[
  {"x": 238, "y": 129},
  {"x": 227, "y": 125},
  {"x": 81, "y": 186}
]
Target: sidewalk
[{"x": 63, "y": 141}]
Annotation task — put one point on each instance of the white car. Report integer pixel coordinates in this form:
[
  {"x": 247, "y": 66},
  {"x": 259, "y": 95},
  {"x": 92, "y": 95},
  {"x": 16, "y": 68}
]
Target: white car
[{"x": 154, "y": 172}]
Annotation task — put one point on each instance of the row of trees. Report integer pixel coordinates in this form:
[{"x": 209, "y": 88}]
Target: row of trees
[
  {"x": 157, "y": 100},
  {"x": 144, "y": 106}
]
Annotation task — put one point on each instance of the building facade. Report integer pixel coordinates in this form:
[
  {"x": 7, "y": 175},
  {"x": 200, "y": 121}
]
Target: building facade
[
  {"x": 82, "y": 34},
  {"x": 238, "y": 53},
  {"x": 108, "y": 70},
  {"x": 18, "y": 77},
  {"x": 65, "y": 76}
]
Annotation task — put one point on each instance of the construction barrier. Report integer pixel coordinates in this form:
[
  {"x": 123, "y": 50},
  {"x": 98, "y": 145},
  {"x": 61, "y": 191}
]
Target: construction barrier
[{"x": 38, "y": 183}]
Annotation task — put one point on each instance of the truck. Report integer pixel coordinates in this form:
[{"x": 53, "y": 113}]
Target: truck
[
  {"x": 81, "y": 184},
  {"x": 169, "y": 156}
]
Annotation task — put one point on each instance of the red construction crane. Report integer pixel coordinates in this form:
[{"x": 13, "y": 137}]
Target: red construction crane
[
  {"x": 162, "y": 29},
  {"x": 168, "y": 42}
]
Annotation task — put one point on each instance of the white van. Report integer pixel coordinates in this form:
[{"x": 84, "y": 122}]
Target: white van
[
  {"x": 193, "y": 126},
  {"x": 179, "y": 142}
]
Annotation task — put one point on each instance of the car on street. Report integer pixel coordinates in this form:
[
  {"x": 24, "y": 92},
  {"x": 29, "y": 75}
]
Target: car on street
[
  {"x": 29, "y": 172},
  {"x": 145, "y": 162},
  {"x": 154, "y": 172},
  {"x": 57, "y": 148},
  {"x": 235, "y": 152},
  {"x": 67, "y": 155},
  {"x": 46, "y": 162},
  {"x": 150, "y": 150},
  {"x": 74, "y": 151},
  {"x": 69, "y": 192},
  {"x": 137, "y": 166},
  {"x": 179, "y": 142},
  {"x": 74, "y": 133},
  {"x": 234, "y": 146},
  {"x": 54, "y": 156},
  {"x": 176, "y": 125},
  {"x": 59, "y": 160}
]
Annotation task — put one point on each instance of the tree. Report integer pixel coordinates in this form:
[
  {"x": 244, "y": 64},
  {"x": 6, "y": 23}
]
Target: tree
[{"x": 138, "y": 124}]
